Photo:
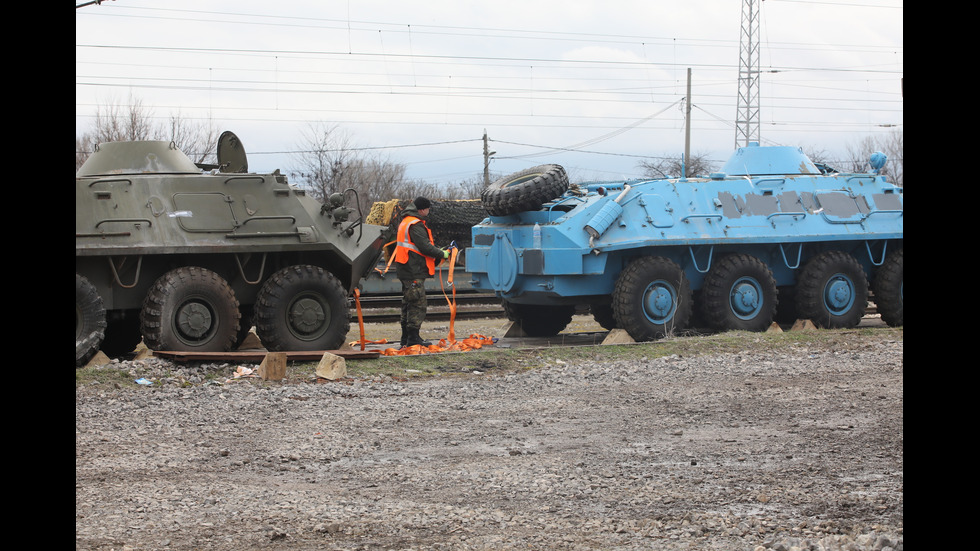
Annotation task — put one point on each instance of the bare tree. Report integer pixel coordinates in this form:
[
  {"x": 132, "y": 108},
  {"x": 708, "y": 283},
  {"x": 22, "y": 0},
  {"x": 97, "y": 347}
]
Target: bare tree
[
  {"x": 328, "y": 163},
  {"x": 199, "y": 141},
  {"x": 84, "y": 145},
  {"x": 320, "y": 159},
  {"x": 115, "y": 122},
  {"x": 893, "y": 145},
  {"x": 857, "y": 155},
  {"x": 468, "y": 189},
  {"x": 697, "y": 165}
]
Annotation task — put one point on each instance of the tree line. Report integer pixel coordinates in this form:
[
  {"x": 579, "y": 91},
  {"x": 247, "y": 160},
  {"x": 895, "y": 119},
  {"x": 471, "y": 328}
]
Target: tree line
[
  {"x": 327, "y": 162},
  {"x": 855, "y": 159}
]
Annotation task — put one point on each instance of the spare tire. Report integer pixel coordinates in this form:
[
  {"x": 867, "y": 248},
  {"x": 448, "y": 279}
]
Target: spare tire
[{"x": 524, "y": 190}]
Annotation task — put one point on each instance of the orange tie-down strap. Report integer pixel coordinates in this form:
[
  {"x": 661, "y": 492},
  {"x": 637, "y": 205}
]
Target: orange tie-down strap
[
  {"x": 473, "y": 342},
  {"x": 449, "y": 344}
]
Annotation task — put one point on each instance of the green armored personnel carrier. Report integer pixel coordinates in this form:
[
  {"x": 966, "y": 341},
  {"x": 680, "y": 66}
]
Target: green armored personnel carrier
[{"x": 188, "y": 257}]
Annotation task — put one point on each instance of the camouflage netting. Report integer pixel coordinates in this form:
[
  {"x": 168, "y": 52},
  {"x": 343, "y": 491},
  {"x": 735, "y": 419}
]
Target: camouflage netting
[
  {"x": 449, "y": 220},
  {"x": 380, "y": 214}
]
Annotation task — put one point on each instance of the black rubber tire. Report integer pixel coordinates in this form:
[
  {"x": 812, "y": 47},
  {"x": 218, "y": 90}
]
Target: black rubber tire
[
  {"x": 121, "y": 336},
  {"x": 190, "y": 309},
  {"x": 302, "y": 307},
  {"x": 832, "y": 290},
  {"x": 539, "y": 320},
  {"x": 739, "y": 293},
  {"x": 90, "y": 321},
  {"x": 888, "y": 284},
  {"x": 652, "y": 298},
  {"x": 525, "y": 190}
]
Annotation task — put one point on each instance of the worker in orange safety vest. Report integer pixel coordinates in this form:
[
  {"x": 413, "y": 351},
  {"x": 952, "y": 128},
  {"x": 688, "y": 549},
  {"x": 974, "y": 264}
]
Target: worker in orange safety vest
[{"x": 416, "y": 258}]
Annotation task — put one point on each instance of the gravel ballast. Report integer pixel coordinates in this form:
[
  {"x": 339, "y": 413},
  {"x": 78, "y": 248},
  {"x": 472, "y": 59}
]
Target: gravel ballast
[{"x": 794, "y": 448}]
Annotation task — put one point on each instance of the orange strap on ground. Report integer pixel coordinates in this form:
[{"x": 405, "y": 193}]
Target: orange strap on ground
[
  {"x": 472, "y": 342},
  {"x": 360, "y": 322}
]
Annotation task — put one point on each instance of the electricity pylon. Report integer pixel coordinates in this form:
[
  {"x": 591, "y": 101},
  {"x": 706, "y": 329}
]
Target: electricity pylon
[{"x": 747, "y": 116}]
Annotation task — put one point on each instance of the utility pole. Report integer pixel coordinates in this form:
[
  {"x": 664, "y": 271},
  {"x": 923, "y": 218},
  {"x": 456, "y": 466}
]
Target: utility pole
[
  {"x": 486, "y": 159},
  {"x": 687, "y": 125},
  {"x": 747, "y": 116}
]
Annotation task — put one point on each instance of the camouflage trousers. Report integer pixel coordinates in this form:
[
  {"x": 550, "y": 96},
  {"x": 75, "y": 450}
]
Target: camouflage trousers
[{"x": 413, "y": 303}]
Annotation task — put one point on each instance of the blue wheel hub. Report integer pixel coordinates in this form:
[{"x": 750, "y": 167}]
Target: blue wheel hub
[
  {"x": 838, "y": 294},
  {"x": 746, "y": 298},
  {"x": 659, "y": 302}
]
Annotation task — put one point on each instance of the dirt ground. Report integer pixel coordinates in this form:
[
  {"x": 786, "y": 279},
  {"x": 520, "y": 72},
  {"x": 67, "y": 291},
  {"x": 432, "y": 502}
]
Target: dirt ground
[{"x": 774, "y": 448}]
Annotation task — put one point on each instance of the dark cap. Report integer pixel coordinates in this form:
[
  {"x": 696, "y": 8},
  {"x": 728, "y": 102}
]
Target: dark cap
[{"x": 421, "y": 203}]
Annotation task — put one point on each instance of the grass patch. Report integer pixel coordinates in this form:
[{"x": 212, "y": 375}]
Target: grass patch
[
  {"x": 493, "y": 359},
  {"x": 499, "y": 360},
  {"x": 95, "y": 375}
]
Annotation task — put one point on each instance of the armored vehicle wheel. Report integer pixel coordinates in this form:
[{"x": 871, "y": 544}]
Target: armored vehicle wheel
[
  {"x": 302, "y": 308},
  {"x": 191, "y": 309},
  {"x": 539, "y": 320},
  {"x": 888, "y": 284},
  {"x": 652, "y": 298},
  {"x": 832, "y": 290},
  {"x": 524, "y": 190},
  {"x": 89, "y": 320},
  {"x": 121, "y": 336},
  {"x": 739, "y": 293}
]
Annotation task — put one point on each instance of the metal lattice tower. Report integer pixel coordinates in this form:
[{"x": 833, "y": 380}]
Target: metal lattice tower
[{"x": 747, "y": 116}]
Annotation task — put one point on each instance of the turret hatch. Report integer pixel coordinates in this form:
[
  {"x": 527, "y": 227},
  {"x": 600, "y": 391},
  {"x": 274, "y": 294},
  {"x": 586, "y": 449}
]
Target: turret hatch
[{"x": 231, "y": 153}]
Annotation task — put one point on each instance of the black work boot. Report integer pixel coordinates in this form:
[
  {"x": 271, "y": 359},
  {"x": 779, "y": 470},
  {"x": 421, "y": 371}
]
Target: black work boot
[
  {"x": 414, "y": 338},
  {"x": 404, "y": 336}
]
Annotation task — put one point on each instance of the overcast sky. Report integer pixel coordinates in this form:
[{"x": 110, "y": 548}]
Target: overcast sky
[{"x": 596, "y": 86}]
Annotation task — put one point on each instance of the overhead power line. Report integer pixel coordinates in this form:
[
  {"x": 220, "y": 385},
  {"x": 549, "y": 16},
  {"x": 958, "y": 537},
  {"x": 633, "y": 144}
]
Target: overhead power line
[{"x": 600, "y": 62}]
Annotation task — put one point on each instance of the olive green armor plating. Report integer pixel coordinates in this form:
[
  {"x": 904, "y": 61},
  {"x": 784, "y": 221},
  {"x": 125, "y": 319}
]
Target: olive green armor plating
[{"x": 188, "y": 257}]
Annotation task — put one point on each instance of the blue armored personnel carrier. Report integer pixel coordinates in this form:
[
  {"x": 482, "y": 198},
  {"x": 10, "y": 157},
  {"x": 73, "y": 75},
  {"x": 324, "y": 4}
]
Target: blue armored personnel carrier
[{"x": 770, "y": 237}]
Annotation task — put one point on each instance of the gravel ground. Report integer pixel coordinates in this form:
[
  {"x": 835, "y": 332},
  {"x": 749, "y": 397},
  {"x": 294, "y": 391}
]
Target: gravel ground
[{"x": 795, "y": 449}]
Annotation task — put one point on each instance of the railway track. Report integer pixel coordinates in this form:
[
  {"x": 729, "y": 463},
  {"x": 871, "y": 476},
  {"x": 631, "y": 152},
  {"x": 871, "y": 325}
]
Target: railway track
[{"x": 387, "y": 308}]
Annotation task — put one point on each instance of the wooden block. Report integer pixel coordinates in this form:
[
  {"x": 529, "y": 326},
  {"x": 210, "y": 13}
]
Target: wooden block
[
  {"x": 513, "y": 329},
  {"x": 251, "y": 341},
  {"x": 98, "y": 360},
  {"x": 618, "y": 336},
  {"x": 331, "y": 367},
  {"x": 774, "y": 328},
  {"x": 273, "y": 366},
  {"x": 803, "y": 325}
]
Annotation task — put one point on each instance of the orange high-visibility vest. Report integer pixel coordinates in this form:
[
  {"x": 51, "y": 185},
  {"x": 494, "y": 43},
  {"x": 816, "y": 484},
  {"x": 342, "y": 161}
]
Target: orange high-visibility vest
[{"x": 404, "y": 244}]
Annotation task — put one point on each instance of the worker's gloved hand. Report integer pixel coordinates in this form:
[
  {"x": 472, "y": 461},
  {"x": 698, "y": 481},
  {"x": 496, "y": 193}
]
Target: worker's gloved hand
[{"x": 445, "y": 253}]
